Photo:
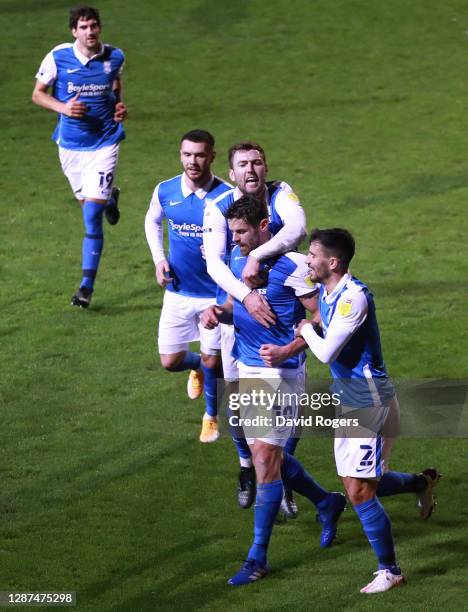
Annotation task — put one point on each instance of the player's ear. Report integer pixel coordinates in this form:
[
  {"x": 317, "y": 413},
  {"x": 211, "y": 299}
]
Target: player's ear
[
  {"x": 264, "y": 225},
  {"x": 232, "y": 176},
  {"x": 213, "y": 155}
]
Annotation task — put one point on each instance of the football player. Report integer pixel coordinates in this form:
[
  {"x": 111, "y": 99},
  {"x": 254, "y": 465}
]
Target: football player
[
  {"x": 82, "y": 82},
  {"x": 182, "y": 273}
]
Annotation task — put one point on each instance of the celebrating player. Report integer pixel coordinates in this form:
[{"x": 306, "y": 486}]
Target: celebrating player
[
  {"x": 189, "y": 288},
  {"x": 288, "y": 292},
  {"x": 85, "y": 78},
  {"x": 349, "y": 342},
  {"x": 287, "y": 225}
]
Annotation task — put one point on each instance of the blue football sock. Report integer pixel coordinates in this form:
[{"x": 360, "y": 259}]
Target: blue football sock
[
  {"x": 93, "y": 242},
  {"x": 267, "y": 504},
  {"x": 378, "y": 529},
  {"x": 296, "y": 478},
  {"x": 210, "y": 389},
  {"x": 191, "y": 361},
  {"x": 290, "y": 446},
  {"x": 393, "y": 483},
  {"x": 238, "y": 437},
  {"x": 243, "y": 449}
]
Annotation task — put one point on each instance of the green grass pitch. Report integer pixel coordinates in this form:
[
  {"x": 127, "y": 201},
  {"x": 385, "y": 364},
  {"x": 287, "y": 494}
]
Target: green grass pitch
[{"x": 105, "y": 489}]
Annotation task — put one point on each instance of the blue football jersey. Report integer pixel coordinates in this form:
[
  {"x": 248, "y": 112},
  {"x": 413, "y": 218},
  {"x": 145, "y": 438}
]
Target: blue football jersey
[
  {"x": 185, "y": 229},
  {"x": 359, "y": 369},
  {"x": 286, "y": 279},
  {"x": 69, "y": 74}
]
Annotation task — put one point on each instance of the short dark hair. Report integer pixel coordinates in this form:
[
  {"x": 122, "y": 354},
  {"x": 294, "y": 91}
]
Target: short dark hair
[
  {"x": 199, "y": 136},
  {"x": 83, "y": 12},
  {"x": 337, "y": 241},
  {"x": 249, "y": 208},
  {"x": 245, "y": 145}
]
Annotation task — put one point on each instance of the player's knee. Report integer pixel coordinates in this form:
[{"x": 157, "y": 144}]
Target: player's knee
[
  {"x": 171, "y": 361},
  {"x": 267, "y": 460},
  {"x": 211, "y": 361},
  {"x": 360, "y": 491}
]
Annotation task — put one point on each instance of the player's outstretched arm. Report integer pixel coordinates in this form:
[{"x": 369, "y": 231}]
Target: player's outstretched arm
[
  {"x": 213, "y": 315},
  {"x": 214, "y": 243},
  {"x": 73, "y": 108},
  {"x": 349, "y": 316},
  {"x": 294, "y": 230},
  {"x": 274, "y": 355}
]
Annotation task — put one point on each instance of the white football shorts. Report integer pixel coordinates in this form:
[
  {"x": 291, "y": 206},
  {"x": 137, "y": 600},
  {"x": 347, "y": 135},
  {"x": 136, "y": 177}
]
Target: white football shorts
[
  {"x": 367, "y": 456},
  {"x": 180, "y": 324},
  {"x": 230, "y": 368},
  {"x": 285, "y": 386},
  {"x": 90, "y": 173}
]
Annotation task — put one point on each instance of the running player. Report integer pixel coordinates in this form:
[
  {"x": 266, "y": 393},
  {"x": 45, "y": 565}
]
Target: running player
[
  {"x": 189, "y": 288},
  {"x": 82, "y": 82}
]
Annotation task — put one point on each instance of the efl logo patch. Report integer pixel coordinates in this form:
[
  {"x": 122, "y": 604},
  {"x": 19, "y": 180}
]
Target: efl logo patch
[
  {"x": 107, "y": 67},
  {"x": 344, "y": 308},
  {"x": 308, "y": 281},
  {"x": 293, "y": 197}
]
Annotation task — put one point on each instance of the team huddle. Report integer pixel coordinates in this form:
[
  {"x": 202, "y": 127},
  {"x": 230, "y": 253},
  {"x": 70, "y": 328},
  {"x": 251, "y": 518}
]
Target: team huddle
[{"x": 235, "y": 282}]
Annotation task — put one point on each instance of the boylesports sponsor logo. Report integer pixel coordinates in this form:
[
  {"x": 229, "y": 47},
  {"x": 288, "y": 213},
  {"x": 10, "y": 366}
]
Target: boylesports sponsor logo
[
  {"x": 93, "y": 89},
  {"x": 186, "y": 229}
]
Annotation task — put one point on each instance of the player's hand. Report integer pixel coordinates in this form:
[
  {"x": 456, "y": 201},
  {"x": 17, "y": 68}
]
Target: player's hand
[
  {"x": 251, "y": 273},
  {"x": 163, "y": 273},
  {"x": 273, "y": 355},
  {"x": 74, "y": 108},
  {"x": 300, "y": 325},
  {"x": 209, "y": 317},
  {"x": 120, "y": 112},
  {"x": 259, "y": 309}
]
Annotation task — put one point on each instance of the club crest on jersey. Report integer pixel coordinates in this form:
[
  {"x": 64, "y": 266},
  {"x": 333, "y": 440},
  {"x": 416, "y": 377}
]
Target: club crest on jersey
[
  {"x": 107, "y": 67},
  {"x": 344, "y": 307}
]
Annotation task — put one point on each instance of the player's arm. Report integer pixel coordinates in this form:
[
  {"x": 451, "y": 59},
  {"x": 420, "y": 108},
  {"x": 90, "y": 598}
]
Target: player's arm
[
  {"x": 121, "y": 111},
  {"x": 350, "y": 314},
  {"x": 155, "y": 237},
  {"x": 294, "y": 230},
  {"x": 213, "y": 315},
  {"x": 272, "y": 354},
  {"x": 214, "y": 244},
  {"x": 73, "y": 108}
]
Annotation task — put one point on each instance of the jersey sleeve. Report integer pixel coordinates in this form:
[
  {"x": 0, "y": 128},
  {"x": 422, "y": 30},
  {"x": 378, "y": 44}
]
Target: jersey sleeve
[
  {"x": 350, "y": 314},
  {"x": 294, "y": 228},
  {"x": 299, "y": 280},
  {"x": 214, "y": 243},
  {"x": 154, "y": 228},
  {"x": 47, "y": 72}
]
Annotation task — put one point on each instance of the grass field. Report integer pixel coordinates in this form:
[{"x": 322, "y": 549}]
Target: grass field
[{"x": 105, "y": 489}]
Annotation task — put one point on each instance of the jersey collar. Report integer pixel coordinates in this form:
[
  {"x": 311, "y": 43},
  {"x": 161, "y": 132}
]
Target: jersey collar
[
  {"x": 82, "y": 58},
  {"x": 330, "y": 297},
  {"x": 238, "y": 194},
  {"x": 200, "y": 192}
]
